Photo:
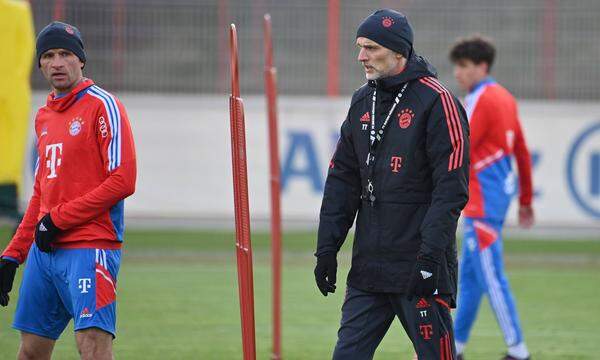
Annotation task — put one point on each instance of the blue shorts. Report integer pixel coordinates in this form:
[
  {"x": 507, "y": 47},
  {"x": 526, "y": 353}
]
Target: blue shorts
[{"x": 78, "y": 284}]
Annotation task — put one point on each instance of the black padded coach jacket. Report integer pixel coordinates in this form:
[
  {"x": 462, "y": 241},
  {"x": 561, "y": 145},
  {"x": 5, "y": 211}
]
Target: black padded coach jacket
[{"x": 420, "y": 182}]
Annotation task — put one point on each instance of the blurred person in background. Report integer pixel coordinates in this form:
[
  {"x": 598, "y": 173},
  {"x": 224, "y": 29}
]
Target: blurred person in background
[
  {"x": 496, "y": 137},
  {"x": 17, "y": 41},
  {"x": 402, "y": 164},
  {"x": 86, "y": 167}
]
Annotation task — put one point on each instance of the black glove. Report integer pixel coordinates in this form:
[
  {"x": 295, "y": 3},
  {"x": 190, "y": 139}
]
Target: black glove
[
  {"x": 8, "y": 269},
  {"x": 325, "y": 272},
  {"x": 424, "y": 278},
  {"x": 45, "y": 233}
]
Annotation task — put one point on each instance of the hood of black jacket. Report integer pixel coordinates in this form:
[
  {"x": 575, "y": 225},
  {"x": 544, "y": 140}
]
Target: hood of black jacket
[{"x": 417, "y": 67}]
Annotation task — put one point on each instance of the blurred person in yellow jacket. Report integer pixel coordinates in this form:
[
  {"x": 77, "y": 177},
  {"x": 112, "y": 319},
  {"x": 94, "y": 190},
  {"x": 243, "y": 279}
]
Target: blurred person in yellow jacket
[{"x": 17, "y": 43}]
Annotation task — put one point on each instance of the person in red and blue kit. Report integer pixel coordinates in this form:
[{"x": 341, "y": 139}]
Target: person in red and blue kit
[
  {"x": 496, "y": 138},
  {"x": 86, "y": 168}
]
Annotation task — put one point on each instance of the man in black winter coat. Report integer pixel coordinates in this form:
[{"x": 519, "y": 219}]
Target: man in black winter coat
[{"x": 401, "y": 164}]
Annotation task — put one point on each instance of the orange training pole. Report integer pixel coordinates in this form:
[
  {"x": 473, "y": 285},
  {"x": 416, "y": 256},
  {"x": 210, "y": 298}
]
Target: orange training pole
[
  {"x": 242, "y": 210},
  {"x": 333, "y": 52},
  {"x": 58, "y": 12},
  {"x": 271, "y": 95}
]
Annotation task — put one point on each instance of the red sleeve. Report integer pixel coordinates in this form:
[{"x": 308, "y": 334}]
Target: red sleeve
[
  {"x": 18, "y": 248},
  {"x": 524, "y": 166},
  {"x": 116, "y": 144}
]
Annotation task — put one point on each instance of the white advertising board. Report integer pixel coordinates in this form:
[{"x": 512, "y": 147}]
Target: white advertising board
[{"x": 184, "y": 161}]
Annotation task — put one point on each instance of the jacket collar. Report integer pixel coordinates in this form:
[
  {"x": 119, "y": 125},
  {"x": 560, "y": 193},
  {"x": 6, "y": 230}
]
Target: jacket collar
[
  {"x": 390, "y": 82},
  {"x": 416, "y": 67},
  {"x": 64, "y": 102},
  {"x": 479, "y": 85}
]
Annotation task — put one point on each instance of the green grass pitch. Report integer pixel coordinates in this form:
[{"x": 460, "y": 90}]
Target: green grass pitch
[{"x": 177, "y": 299}]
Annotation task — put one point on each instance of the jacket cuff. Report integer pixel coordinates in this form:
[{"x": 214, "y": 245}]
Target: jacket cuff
[
  {"x": 54, "y": 219},
  {"x": 325, "y": 252},
  {"x": 10, "y": 259}
]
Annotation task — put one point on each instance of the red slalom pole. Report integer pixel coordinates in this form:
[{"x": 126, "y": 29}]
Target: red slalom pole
[
  {"x": 59, "y": 10},
  {"x": 333, "y": 48},
  {"x": 271, "y": 95},
  {"x": 242, "y": 209}
]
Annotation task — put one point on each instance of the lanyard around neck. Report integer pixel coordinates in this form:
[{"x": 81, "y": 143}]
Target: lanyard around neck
[{"x": 376, "y": 137}]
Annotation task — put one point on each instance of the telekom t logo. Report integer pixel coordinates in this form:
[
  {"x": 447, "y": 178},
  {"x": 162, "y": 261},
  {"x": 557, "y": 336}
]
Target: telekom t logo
[
  {"x": 396, "y": 163},
  {"x": 84, "y": 285},
  {"x": 54, "y": 161},
  {"x": 426, "y": 331}
]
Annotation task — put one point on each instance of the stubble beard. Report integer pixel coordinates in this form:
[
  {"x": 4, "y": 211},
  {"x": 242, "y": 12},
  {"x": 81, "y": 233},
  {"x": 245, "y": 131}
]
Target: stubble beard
[
  {"x": 63, "y": 86},
  {"x": 378, "y": 74},
  {"x": 374, "y": 75}
]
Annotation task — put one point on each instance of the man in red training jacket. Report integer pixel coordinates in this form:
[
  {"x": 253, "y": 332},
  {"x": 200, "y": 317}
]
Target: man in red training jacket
[{"x": 86, "y": 168}]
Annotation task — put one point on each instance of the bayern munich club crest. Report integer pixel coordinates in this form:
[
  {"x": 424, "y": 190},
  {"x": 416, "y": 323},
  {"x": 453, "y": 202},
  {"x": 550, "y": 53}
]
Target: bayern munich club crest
[
  {"x": 405, "y": 118},
  {"x": 75, "y": 126},
  {"x": 387, "y": 21}
]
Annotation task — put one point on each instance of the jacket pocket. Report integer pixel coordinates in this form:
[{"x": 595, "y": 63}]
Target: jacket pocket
[{"x": 400, "y": 223}]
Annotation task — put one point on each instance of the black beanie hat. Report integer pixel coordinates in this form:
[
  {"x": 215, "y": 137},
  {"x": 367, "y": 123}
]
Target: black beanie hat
[
  {"x": 58, "y": 35},
  {"x": 388, "y": 28}
]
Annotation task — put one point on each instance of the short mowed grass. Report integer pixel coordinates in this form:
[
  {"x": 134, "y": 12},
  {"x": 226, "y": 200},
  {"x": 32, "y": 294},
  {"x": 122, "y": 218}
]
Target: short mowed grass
[{"x": 178, "y": 299}]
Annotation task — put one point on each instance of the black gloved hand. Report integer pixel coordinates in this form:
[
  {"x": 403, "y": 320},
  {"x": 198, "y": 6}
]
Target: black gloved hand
[
  {"x": 8, "y": 269},
  {"x": 45, "y": 233},
  {"x": 326, "y": 272},
  {"x": 424, "y": 278}
]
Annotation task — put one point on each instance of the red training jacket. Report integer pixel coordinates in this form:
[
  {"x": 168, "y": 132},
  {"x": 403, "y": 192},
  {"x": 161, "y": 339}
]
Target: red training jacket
[{"x": 86, "y": 167}]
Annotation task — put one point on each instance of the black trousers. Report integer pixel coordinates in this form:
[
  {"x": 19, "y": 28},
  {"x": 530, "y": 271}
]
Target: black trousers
[{"x": 367, "y": 316}]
